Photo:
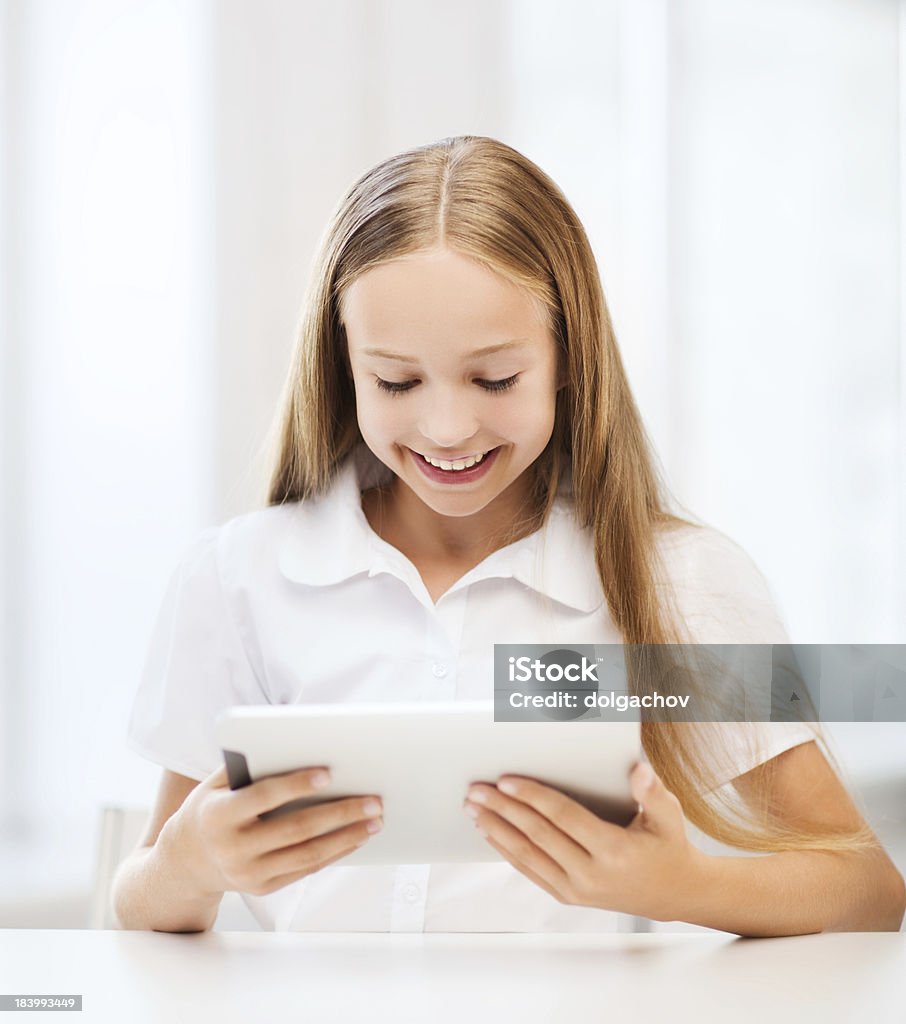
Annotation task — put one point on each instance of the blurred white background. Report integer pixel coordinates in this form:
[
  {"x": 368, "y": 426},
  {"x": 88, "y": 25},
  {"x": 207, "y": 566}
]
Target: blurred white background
[{"x": 167, "y": 169}]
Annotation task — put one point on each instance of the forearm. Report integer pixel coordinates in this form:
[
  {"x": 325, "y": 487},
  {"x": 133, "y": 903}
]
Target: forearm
[
  {"x": 795, "y": 893},
  {"x": 152, "y": 892}
]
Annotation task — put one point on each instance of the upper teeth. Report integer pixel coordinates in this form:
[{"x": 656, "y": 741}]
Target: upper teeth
[{"x": 458, "y": 464}]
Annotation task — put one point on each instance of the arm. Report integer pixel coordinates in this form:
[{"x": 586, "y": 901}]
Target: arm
[
  {"x": 651, "y": 869},
  {"x": 792, "y": 893},
  {"x": 152, "y": 889},
  {"x": 204, "y": 840}
]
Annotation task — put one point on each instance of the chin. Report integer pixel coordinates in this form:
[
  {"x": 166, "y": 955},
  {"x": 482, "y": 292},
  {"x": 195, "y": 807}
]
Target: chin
[
  {"x": 457, "y": 510},
  {"x": 454, "y": 505}
]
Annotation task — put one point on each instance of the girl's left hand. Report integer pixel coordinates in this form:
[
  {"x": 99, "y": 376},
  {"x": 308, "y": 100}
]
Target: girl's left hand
[{"x": 648, "y": 868}]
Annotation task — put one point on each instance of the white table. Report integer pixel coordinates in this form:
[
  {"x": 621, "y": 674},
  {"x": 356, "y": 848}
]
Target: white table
[{"x": 245, "y": 976}]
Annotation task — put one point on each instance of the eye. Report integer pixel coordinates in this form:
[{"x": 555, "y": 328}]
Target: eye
[
  {"x": 394, "y": 387},
  {"x": 499, "y": 385}
]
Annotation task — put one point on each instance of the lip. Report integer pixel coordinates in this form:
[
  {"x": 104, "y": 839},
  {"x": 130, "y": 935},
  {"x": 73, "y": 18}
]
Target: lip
[{"x": 455, "y": 476}]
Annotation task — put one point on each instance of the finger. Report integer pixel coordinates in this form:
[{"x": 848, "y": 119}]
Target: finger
[
  {"x": 294, "y": 876},
  {"x": 296, "y": 827},
  {"x": 520, "y": 847},
  {"x": 521, "y": 866},
  {"x": 277, "y": 790},
  {"x": 312, "y": 855},
  {"x": 587, "y": 830},
  {"x": 546, "y": 831}
]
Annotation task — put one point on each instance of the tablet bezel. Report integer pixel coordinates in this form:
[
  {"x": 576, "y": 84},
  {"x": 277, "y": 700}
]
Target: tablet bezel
[{"x": 420, "y": 759}]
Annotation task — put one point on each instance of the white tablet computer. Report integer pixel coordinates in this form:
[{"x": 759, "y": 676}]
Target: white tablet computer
[{"x": 420, "y": 758}]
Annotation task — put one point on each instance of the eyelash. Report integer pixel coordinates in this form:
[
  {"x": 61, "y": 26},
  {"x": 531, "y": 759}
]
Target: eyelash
[{"x": 399, "y": 388}]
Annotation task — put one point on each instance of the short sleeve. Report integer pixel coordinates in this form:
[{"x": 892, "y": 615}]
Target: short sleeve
[
  {"x": 195, "y": 667},
  {"x": 721, "y": 597}
]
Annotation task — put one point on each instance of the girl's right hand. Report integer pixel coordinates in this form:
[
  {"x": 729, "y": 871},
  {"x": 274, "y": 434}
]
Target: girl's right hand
[{"x": 217, "y": 837}]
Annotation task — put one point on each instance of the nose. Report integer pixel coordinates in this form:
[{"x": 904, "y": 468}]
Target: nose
[{"x": 447, "y": 420}]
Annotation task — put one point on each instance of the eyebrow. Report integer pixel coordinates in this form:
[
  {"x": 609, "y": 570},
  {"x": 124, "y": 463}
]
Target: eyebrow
[{"x": 485, "y": 351}]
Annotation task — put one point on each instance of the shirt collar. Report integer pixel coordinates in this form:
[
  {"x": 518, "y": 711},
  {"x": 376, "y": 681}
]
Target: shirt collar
[{"x": 329, "y": 540}]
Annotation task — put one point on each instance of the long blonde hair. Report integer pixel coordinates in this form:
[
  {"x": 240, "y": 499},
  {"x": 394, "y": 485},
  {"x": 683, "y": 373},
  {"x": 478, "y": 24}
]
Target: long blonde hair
[{"x": 485, "y": 200}]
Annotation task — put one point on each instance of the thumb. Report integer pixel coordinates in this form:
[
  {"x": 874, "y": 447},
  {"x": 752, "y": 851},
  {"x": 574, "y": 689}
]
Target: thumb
[
  {"x": 218, "y": 779},
  {"x": 650, "y": 794}
]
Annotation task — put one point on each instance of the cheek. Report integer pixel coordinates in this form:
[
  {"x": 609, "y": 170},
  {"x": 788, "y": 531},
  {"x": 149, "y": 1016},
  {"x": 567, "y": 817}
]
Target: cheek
[
  {"x": 378, "y": 416},
  {"x": 533, "y": 415},
  {"x": 518, "y": 423}
]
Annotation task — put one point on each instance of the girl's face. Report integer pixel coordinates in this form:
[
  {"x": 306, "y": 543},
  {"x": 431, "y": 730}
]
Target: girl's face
[{"x": 451, "y": 363}]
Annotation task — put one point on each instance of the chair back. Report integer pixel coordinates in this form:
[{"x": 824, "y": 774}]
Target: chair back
[{"x": 121, "y": 829}]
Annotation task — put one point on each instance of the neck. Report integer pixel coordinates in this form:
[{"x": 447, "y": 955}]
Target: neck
[{"x": 401, "y": 518}]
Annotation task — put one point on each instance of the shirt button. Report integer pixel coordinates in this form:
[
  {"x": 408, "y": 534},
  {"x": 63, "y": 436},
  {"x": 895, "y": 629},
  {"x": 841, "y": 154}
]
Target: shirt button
[
  {"x": 411, "y": 893},
  {"x": 439, "y": 669}
]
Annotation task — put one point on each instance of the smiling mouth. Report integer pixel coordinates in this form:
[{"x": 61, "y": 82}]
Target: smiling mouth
[{"x": 455, "y": 465}]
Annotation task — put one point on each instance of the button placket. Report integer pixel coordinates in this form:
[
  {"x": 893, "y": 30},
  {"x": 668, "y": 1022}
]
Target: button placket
[
  {"x": 444, "y": 644},
  {"x": 409, "y": 897},
  {"x": 453, "y": 618}
]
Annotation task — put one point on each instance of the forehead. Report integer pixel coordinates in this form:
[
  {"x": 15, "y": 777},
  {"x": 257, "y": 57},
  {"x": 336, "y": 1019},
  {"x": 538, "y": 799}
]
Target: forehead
[{"x": 440, "y": 294}]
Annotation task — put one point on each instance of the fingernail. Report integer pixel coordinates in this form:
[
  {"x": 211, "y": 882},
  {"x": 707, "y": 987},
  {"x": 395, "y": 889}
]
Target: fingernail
[
  {"x": 319, "y": 779},
  {"x": 371, "y": 808},
  {"x": 374, "y": 826},
  {"x": 479, "y": 796},
  {"x": 646, "y": 775},
  {"x": 507, "y": 787},
  {"x": 471, "y": 810}
]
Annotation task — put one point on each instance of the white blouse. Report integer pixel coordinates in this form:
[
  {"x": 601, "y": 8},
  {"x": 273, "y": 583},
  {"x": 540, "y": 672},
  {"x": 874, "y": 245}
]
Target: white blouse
[{"x": 304, "y": 603}]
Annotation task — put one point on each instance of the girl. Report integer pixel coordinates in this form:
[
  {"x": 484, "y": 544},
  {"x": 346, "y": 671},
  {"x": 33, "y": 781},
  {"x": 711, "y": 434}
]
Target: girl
[{"x": 460, "y": 462}]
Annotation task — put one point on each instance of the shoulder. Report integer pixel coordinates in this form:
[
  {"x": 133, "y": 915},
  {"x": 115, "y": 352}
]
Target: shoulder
[
  {"x": 317, "y": 540},
  {"x": 718, "y": 589},
  {"x": 704, "y": 556},
  {"x": 242, "y": 547}
]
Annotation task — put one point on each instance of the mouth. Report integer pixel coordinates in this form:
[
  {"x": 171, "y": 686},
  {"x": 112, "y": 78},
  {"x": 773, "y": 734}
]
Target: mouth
[{"x": 454, "y": 471}]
